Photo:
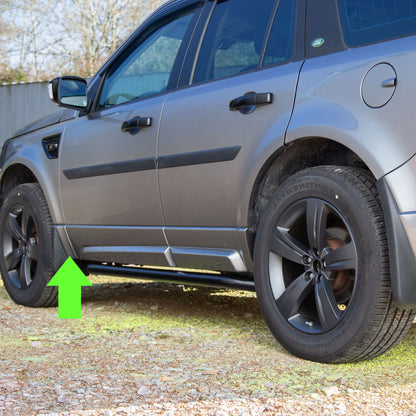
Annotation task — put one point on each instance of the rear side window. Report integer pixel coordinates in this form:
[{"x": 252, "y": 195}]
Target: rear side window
[
  {"x": 280, "y": 46},
  {"x": 234, "y": 38},
  {"x": 371, "y": 21}
]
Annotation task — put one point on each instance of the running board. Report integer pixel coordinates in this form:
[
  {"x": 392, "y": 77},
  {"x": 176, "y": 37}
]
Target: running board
[{"x": 193, "y": 279}]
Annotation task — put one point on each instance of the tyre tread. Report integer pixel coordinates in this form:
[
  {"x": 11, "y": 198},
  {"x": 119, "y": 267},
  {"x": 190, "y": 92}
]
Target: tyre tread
[
  {"x": 49, "y": 296},
  {"x": 390, "y": 324}
]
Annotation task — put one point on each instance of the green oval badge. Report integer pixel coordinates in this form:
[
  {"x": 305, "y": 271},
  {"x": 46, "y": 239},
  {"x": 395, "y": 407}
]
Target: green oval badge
[{"x": 318, "y": 42}]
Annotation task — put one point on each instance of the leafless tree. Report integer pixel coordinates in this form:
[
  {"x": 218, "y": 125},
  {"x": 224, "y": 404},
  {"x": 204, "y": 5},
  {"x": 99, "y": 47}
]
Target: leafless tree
[{"x": 46, "y": 37}]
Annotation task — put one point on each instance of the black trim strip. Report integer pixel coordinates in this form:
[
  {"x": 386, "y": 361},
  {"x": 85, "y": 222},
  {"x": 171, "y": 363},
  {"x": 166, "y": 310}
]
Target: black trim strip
[
  {"x": 198, "y": 158},
  {"x": 111, "y": 168},
  {"x": 184, "y": 159}
]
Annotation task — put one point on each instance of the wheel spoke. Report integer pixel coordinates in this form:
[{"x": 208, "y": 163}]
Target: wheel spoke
[
  {"x": 13, "y": 259},
  {"x": 33, "y": 251},
  {"x": 316, "y": 219},
  {"x": 24, "y": 274},
  {"x": 286, "y": 246},
  {"x": 343, "y": 258},
  {"x": 14, "y": 229},
  {"x": 294, "y": 295},
  {"x": 327, "y": 307},
  {"x": 25, "y": 223}
]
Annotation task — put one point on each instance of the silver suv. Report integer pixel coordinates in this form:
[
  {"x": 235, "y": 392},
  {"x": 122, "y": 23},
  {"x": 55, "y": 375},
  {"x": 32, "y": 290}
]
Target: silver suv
[{"x": 269, "y": 142}]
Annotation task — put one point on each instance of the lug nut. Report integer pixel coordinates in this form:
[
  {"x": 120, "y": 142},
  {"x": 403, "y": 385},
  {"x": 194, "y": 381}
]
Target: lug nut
[
  {"x": 307, "y": 260},
  {"x": 308, "y": 276}
]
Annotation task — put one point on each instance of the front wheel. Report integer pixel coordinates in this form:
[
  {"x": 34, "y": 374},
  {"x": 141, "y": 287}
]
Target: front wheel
[
  {"x": 322, "y": 269},
  {"x": 26, "y": 247}
]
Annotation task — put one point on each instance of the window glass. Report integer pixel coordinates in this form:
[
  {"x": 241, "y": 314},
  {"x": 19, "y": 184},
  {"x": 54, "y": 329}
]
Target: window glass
[
  {"x": 370, "y": 21},
  {"x": 280, "y": 46},
  {"x": 234, "y": 38},
  {"x": 147, "y": 70}
]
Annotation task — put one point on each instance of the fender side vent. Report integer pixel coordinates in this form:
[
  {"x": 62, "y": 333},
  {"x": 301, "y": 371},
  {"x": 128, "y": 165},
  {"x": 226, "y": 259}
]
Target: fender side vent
[{"x": 51, "y": 146}]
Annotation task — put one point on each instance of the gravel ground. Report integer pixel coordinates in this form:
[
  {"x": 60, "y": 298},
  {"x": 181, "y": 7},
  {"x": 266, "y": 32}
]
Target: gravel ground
[{"x": 160, "y": 349}]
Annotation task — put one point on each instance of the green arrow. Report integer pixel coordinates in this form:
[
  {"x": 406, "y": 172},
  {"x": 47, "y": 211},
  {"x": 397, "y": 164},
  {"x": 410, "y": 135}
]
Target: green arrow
[{"x": 69, "y": 279}]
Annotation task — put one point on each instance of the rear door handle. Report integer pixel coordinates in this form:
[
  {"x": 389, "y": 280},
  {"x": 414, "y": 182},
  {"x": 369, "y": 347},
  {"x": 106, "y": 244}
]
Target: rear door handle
[
  {"x": 136, "y": 123},
  {"x": 251, "y": 100}
]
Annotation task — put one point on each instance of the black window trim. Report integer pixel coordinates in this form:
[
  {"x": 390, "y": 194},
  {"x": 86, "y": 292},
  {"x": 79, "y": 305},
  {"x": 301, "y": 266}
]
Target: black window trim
[{"x": 267, "y": 35}]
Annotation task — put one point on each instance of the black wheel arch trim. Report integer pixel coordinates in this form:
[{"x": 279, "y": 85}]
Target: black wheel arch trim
[
  {"x": 60, "y": 255},
  {"x": 402, "y": 259}
]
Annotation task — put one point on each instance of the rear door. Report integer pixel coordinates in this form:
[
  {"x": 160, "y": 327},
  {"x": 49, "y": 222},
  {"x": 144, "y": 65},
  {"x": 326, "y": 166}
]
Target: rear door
[{"x": 235, "y": 100}]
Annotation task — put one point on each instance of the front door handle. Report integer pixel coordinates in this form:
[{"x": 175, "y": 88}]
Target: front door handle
[
  {"x": 251, "y": 100},
  {"x": 136, "y": 123}
]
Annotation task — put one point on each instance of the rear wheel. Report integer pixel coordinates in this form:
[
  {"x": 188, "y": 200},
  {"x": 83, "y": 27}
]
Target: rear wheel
[
  {"x": 322, "y": 269},
  {"x": 26, "y": 248}
]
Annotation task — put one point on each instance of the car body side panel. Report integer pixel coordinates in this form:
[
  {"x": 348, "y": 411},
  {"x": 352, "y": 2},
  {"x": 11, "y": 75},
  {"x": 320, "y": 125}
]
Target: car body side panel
[
  {"x": 205, "y": 195},
  {"x": 329, "y": 104}
]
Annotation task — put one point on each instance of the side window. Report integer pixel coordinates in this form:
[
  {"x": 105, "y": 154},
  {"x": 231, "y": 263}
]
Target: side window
[
  {"x": 145, "y": 71},
  {"x": 234, "y": 38},
  {"x": 280, "y": 46},
  {"x": 370, "y": 21}
]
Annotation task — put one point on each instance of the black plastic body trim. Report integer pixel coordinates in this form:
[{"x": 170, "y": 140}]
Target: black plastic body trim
[
  {"x": 193, "y": 279},
  {"x": 402, "y": 259},
  {"x": 163, "y": 162},
  {"x": 198, "y": 158},
  {"x": 322, "y": 22},
  {"x": 4, "y": 151},
  {"x": 51, "y": 146},
  {"x": 111, "y": 168}
]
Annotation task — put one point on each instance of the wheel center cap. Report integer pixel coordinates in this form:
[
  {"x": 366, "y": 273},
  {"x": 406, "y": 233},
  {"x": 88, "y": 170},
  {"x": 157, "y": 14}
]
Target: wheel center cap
[{"x": 317, "y": 266}]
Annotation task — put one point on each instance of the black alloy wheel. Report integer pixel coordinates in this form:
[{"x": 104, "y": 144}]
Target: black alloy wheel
[
  {"x": 20, "y": 246},
  {"x": 321, "y": 268},
  {"x": 26, "y": 247},
  {"x": 319, "y": 264}
]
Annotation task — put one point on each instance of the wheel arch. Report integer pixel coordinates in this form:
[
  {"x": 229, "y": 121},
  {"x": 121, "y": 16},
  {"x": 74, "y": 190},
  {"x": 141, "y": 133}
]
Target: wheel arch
[
  {"x": 298, "y": 155},
  {"x": 19, "y": 173},
  {"x": 14, "y": 175},
  {"x": 28, "y": 164}
]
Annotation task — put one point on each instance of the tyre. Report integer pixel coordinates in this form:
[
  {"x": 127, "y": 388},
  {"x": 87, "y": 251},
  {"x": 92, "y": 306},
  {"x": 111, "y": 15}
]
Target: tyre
[
  {"x": 322, "y": 268},
  {"x": 26, "y": 247}
]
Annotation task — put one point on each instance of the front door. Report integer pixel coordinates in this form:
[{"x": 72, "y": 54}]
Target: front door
[{"x": 108, "y": 174}]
